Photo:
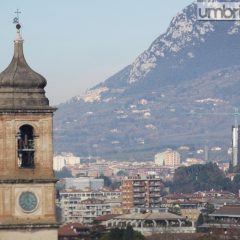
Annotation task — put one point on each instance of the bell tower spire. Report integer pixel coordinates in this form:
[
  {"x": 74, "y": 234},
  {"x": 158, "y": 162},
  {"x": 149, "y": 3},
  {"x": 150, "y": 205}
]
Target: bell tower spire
[
  {"x": 18, "y": 80},
  {"x": 27, "y": 182}
]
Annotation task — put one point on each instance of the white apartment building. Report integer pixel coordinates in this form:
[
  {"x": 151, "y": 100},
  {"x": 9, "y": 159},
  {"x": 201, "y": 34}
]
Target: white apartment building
[
  {"x": 61, "y": 161},
  {"x": 85, "y": 206},
  {"x": 85, "y": 211},
  {"x": 168, "y": 158},
  {"x": 83, "y": 183}
]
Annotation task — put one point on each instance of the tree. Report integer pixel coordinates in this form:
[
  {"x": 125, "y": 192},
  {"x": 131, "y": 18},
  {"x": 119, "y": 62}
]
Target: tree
[
  {"x": 60, "y": 186},
  {"x": 107, "y": 180},
  {"x": 65, "y": 173},
  {"x": 123, "y": 234},
  {"x": 193, "y": 178},
  {"x": 209, "y": 208},
  {"x": 116, "y": 234},
  {"x": 236, "y": 183},
  {"x": 175, "y": 209},
  {"x": 235, "y": 169},
  {"x": 128, "y": 233},
  {"x": 204, "y": 216},
  {"x": 122, "y": 173},
  {"x": 200, "y": 220},
  {"x": 208, "y": 238},
  {"x": 116, "y": 185}
]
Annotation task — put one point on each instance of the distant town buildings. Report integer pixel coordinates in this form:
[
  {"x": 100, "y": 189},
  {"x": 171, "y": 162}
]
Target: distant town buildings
[
  {"x": 188, "y": 205},
  {"x": 91, "y": 169},
  {"x": 192, "y": 161},
  {"x": 191, "y": 205},
  {"x": 141, "y": 192},
  {"x": 141, "y": 199},
  {"x": 168, "y": 158},
  {"x": 224, "y": 221}
]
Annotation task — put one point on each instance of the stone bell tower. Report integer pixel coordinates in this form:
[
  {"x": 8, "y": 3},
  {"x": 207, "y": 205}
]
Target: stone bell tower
[{"x": 27, "y": 183}]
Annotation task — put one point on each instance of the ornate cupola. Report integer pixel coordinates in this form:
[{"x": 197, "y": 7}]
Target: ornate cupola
[
  {"x": 27, "y": 182},
  {"x": 20, "y": 86}
]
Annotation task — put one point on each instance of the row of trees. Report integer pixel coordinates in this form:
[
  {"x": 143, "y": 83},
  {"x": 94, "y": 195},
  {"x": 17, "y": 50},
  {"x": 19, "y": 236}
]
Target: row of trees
[{"x": 123, "y": 234}]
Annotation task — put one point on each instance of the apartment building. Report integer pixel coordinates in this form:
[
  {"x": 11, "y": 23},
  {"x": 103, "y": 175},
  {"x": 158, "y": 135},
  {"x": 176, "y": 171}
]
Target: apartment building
[
  {"x": 61, "y": 161},
  {"x": 141, "y": 192},
  {"x": 168, "y": 158},
  {"x": 85, "y": 211},
  {"x": 85, "y": 206},
  {"x": 84, "y": 182}
]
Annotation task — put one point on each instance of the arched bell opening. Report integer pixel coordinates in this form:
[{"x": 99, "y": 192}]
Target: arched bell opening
[{"x": 25, "y": 146}]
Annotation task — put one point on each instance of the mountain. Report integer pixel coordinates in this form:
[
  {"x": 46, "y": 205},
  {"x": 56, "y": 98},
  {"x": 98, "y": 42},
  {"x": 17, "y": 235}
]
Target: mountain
[{"x": 181, "y": 90}]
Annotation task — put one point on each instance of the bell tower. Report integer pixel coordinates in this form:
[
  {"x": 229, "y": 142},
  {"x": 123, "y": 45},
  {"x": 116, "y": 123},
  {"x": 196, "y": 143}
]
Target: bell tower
[{"x": 27, "y": 182}]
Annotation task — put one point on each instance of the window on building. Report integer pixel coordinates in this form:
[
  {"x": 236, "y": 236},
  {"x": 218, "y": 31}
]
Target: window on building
[{"x": 25, "y": 151}]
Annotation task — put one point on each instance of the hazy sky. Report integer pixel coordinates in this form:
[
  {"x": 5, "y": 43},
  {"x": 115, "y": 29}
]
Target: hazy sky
[{"x": 76, "y": 44}]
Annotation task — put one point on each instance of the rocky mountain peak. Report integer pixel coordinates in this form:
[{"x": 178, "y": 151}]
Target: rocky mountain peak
[{"x": 192, "y": 68}]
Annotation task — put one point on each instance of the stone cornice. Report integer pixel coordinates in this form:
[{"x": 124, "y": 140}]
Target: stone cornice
[
  {"x": 20, "y": 181},
  {"x": 27, "y": 110},
  {"x": 29, "y": 226}
]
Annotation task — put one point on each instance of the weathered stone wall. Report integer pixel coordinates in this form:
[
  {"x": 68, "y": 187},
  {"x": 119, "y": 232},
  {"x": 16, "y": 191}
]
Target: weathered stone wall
[
  {"x": 9, "y": 127},
  {"x": 46, "y": 234},
  {"x": 11, "y": 211}
]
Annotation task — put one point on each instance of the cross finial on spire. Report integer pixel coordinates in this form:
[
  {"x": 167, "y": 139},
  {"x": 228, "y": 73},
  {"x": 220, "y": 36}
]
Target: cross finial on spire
[
  {"x": 16, "y": 19},
  {"x": 18, "y": 27}
]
